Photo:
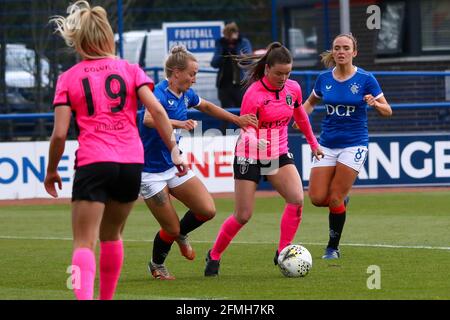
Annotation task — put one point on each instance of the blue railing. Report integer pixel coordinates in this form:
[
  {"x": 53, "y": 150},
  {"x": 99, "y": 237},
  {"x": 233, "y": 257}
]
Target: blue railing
[{"x": 308, "y": 83}]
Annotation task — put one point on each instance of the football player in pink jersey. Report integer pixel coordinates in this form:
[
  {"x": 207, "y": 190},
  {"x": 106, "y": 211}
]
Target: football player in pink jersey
[
  {"x": 275, "y": 99},
  {"x": 102, "y": 92}
]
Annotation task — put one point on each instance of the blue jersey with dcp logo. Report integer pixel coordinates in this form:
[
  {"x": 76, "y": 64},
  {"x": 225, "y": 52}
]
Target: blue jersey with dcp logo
[
  {"x": 157, "y": 157},
  {"x": 345, "y": 124}
]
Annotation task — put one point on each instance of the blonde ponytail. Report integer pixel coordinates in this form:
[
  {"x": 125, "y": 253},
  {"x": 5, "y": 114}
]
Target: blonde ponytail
[{"x": 87, "y": 30}]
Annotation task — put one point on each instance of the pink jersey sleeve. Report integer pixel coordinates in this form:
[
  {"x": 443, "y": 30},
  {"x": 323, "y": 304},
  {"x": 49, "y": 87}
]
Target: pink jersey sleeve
[
  {"x": 61, "y": 93},
  {"x": 302, "y": 120},
  {"x": 248, "y": 140},
  {"x": 250, "y": 106},
  {"x": 141, "y": 79}
]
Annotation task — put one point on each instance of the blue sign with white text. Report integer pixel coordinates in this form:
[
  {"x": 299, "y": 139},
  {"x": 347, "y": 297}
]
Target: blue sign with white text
[{"x": 197, "y": 39}]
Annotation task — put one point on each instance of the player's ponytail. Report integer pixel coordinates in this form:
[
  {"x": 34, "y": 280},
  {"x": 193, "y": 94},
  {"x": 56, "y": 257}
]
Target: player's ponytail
[
  {"x": 255, "y": 64},
  {"x": 87, "y": 30},
  {"x": 327, "y": 59},
  {"x": 178, "y": 59},
  {"x": 327, "y": 56}
]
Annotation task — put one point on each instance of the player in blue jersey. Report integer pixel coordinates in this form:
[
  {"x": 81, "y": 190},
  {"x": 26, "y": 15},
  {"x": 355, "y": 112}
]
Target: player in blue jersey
[
  {"x": 160, "y": 177},
  {"x": 346, "y": 91}
]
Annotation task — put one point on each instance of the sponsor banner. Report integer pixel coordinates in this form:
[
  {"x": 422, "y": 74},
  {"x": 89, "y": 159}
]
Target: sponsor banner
[
  {"x": 393, "y": 160},
  {"x": 23, "y": 166}
]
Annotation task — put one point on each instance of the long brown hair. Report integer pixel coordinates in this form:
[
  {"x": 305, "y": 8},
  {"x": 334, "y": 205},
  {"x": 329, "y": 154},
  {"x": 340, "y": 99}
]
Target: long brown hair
[
  {"x": 327, "y": 56},
  {"x": 87, "y": 30},
  {"x": 255, "y": 64}
]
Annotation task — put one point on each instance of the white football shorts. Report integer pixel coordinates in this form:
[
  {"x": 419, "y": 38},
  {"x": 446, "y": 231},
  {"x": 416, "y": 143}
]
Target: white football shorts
[
  {"x": 353, "y": 157},
  {"x": 152, "y": 183}
]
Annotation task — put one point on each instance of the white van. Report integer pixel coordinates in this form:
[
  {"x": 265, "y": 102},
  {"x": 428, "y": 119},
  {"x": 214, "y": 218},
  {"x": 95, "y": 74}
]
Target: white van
[
  {"x": 20, "y": 66},
  {"x": 143, "y": 47},
  {"x": 147, "y": 49}
]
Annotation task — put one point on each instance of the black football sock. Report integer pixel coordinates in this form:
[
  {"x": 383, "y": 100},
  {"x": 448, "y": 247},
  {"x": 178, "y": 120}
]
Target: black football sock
[
  {"x": 190, "y": 222},
  {"x": 336, "y": 223},
  {"x": 161, "y": 249}
]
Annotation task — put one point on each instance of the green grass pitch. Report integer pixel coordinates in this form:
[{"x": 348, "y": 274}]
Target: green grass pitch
[{"x": 406, "y": 235}]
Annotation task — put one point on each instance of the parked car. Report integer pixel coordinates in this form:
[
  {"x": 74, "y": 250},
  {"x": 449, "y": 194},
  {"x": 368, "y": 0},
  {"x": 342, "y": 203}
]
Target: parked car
[{"x": 20, "y": 72}]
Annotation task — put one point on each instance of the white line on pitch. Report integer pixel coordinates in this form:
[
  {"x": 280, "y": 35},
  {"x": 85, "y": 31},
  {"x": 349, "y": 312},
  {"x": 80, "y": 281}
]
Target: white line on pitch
[{"x": 250, "y": 242}]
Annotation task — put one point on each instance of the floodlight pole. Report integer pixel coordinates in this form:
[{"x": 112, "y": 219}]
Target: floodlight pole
[
  {"x": 274, "y": 21},
  {"x": 345, "y": 16},
  {"x": 120, "y": 26}
]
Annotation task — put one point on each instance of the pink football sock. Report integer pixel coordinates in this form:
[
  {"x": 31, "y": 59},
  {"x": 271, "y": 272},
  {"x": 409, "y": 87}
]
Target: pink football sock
[
  {"x": 292, "y": 216},
  {"x": 111, "y": 260},
  {"x": 227, "y": 232},
  {"x": 83, "y": 259}
]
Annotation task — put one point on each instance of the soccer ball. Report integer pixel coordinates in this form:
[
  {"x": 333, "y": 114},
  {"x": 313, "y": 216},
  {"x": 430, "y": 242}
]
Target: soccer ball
[{"x": 294, "y": 261}]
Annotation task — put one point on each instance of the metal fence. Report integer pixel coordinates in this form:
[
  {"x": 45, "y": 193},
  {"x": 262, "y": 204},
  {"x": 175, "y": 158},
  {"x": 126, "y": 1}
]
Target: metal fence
[
  {"x": 417, "y": 116},
  {"x": 32, "y": 57}
]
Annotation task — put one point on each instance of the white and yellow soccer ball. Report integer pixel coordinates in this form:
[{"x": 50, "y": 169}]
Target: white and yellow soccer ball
[{"x": 295, "y": 261}]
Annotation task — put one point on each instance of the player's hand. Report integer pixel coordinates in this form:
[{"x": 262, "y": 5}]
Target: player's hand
[
  {"x": 370, "y": 100},
  {"x": 189, "y": 124},
  {"x": 178, "y": 161},
  {"x": 263, "y": 144},
  {"x": 318, "y": 154},
  {"x": 248, "y": 120},
  {"x": 49, "y": 183},
  {"x": 182, "y": 169}
]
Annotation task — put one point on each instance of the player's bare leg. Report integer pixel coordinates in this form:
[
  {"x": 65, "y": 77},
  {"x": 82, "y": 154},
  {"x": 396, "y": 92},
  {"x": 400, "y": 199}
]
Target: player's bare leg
[
  {"x": 194, "y": 195},
  {"x": 340, "y": 187},
  {"x": 111, "y": 246},
  {"x": 244, "y": 202},
  {"x": 164, "y": 212},
  {"x": 86, "y": 219},
  {"x": 288, "y": 184}
]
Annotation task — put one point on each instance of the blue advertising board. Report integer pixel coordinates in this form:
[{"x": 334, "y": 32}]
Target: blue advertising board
[
  {"x": 394, "y": 160},
  {"x": 197, "y": 37}
]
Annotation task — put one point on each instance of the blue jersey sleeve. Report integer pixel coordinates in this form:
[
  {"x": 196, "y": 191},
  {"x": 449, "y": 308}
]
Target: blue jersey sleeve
[
  {"x": 372, "y": 87},
  {"x": 318, "y": 87},
  {"x": 194, "y": 99},
  {"x": 161, "y": 97}
]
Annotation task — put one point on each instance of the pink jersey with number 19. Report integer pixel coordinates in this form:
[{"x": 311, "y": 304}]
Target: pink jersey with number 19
[
  {"x": 103, "y": 97},
  {"x": 274, "y": 110}
]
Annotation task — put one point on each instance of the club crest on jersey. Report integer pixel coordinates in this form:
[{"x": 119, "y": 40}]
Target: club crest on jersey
[
  {"x": 289, "y": 100},
  {"x": 354, "y": 88},
  {"x": 186, "y": 101}
]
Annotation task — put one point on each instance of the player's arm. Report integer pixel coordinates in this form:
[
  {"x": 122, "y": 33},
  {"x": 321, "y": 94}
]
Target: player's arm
[
  {"x": 176, "y": 124},
  {"x": 302, "y": 122},
  {"x": 162, "y": 125},
  {"x": 56, "y": 150},
  {"x": 381, "y": 105},
  {"x": 308, "y": 106},
  {"x": 217, "y": 112},
  {"x": 310, "y": 103}
]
